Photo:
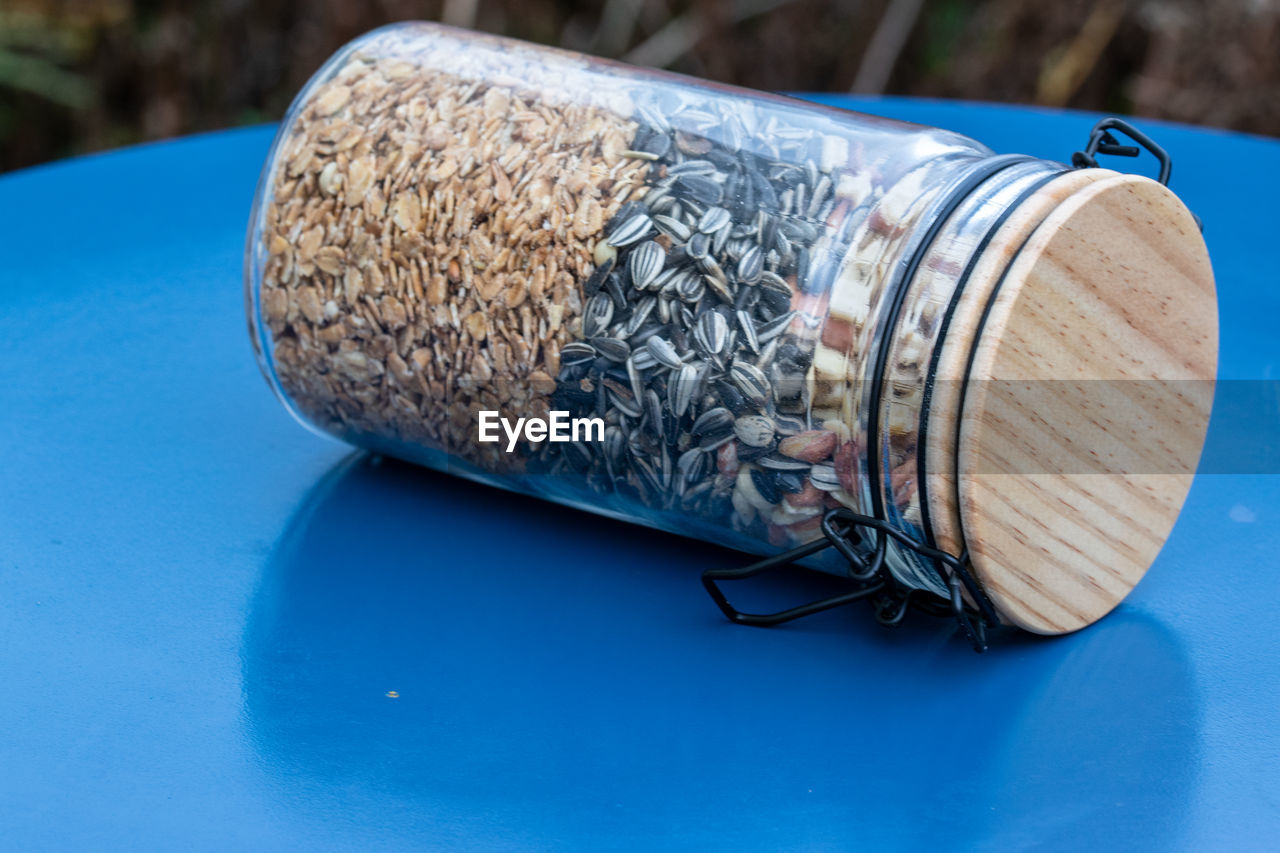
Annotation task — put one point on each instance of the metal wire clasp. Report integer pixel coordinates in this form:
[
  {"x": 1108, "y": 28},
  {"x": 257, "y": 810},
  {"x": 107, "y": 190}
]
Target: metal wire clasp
[
  {"x": 844, "y": 530},
  {"x": 1103, "y": 141}
]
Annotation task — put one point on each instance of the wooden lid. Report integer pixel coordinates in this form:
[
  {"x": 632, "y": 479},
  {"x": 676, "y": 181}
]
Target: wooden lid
[
  {"x": 1087, "y": 403},
  {"x": 952, "y": 362}
]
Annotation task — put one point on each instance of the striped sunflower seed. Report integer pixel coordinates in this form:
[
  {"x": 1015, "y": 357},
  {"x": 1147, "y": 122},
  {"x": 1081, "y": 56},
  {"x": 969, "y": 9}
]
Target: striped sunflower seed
[
  {"x": 824, "y": 477},
  {"x": 597, "y": 278},
  {"x": 639, "y": 314},
  {"x": 577, "y": 352},
  {"x": 611, "y": 348},
  {"x": 693, "y": 465},
  {"x": 754, "y": 430},
  {"x": 597, "y": 315},
  {"x": 689, "y": 287},
  {"x": 766, "y": 332},
  {"x": 781, "y": 463},
  {"x": 748, "y": 330},
  {"x": 711, "y": 421},
  {"x": 692, "y": 167},
  {"x": 714, "y": 220},
  {"x": 712, "y": 333},
  {"x": 645, "y": 263},
  {"x": 673, "y": 228},
  {"x": 681, "y": 387},
  {"x": 664, "y": 353},
  {"x": 699, "y": 246},
  {"x": 752, "y": 383},
  {"x": 653, "y": 412},
  {"x": 643, "y": 359},
  {"x": 630, "y": 230},
  {"x": 751, "y": 265}
]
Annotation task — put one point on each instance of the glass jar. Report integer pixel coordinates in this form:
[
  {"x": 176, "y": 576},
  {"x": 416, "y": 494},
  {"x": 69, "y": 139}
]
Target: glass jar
[{"x": 738, "y": 303}]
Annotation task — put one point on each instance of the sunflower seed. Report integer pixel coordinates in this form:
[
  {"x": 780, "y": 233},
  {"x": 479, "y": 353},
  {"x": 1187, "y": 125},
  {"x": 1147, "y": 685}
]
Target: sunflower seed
[
  {"x": 614, "y": 445},
  {"x": 578, "y": 352},
  {"x": 645, "y": 263},
  {"x": 652, "y": 142},
  {"x": 715, "y": 420},
  {"x": 789, "y": 481},
  {"x": 719, "y": 240},
  {"x": 782, "y": 463},
  {"x": 751, "y": 265},
  {"x": 714, "y": 220},
  {"x": 637, "y": 381},
  {"x": 699, "y": 245},
  {"x": 771, "y": 280},
  {"x": 664, "y": 309},
  {"x": 754, "y": 430},
  {"x": 766, "y": 485},
  {"x": 625, "y": 403},
  {"x": 711, "y": 266},
  {"x": 788, "y": 425},
  {"x": 689, "y": 287},
  {"x": 692, "y": 167},
  {"x": 681, "y": 387},
  {"x": 824, "y": 477},
  {"x": 699, "y": 188},
  {"x": 598, "y": 276},
  {"x": 597, "y": 315},
  {"x": 643, "y": 359},
  {"x": 639, "y": 314},
  {"x": 731, "y": 397},
  {"x": 768, "y": 331},
  {"x": 712, "y": 333},
  {"x": 819, "y": 196},
  {"x": 693, "y": 465},
  {"x": 748, "y": 330},
  {"x": 611, "y": 348},
  {"x": 653, "y": 412},
  {"x": 719, "y": 287},
  {"x": 663, "y": 352},
  {"x": 630, "y": 230},
  {"x": 648, "y": 481},
  {"x": 673, "y": 228},
  {"x": 752, "y": 383},
  {"x": 613, "y": 286}
]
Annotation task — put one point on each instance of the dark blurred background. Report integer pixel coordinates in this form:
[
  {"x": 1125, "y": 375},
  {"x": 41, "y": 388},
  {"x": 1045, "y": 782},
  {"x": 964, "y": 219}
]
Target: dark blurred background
[{"x": 82, "y": 75}]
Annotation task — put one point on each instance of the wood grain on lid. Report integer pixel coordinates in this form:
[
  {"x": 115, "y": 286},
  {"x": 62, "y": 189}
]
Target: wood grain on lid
[
  {"x": 1087, "y": 403},
  {"x": 954, "y": 349}
]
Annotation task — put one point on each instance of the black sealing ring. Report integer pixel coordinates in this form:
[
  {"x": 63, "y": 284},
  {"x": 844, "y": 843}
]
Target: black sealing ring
[
  {"x": 947, "y": 206},
  {"x": 930, "y": 377},
  {"x": 973, "y": 351}
]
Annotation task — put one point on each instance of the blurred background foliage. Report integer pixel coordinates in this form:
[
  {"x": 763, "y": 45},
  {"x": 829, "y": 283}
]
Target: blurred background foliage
[{"x": 81, "y": 75}]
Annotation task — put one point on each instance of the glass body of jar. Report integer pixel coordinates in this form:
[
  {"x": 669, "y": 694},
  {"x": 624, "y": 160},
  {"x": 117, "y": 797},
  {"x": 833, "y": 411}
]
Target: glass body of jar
[{"x": 732, "y": 297}]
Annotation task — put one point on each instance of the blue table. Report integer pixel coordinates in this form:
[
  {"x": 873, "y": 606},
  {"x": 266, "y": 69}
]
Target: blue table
[{"x": 204, "y": 609}]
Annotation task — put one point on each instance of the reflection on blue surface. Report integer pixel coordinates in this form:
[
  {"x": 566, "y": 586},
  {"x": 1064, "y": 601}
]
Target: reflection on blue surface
[{"x": 547, "y": 699}]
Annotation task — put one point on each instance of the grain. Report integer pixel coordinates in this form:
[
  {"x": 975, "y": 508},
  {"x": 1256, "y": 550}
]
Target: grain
[{"x": 427, "y": 241}]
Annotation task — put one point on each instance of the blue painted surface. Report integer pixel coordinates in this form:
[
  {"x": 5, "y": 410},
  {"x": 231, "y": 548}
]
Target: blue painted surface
[{"x": 202, "y": 606}]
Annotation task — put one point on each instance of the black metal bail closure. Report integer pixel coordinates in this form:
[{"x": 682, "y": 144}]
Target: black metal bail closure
[
  {"x": 1103, "y": 141},
  {"x": 870, "y": 579}
]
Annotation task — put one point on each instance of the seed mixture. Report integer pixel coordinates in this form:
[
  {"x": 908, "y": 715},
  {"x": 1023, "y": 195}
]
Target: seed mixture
[
  {"x": 700, "y": 270},
  {"x": 701, "y": 321},
  {"x": 426, "y": 240}
]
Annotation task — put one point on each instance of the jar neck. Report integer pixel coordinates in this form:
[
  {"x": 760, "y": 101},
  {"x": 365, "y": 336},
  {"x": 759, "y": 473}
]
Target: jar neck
[{"x": 931, "y": 275}]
